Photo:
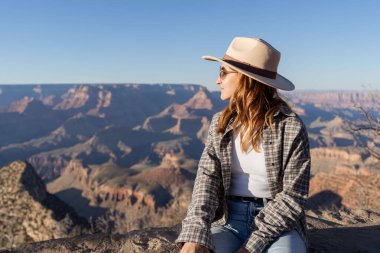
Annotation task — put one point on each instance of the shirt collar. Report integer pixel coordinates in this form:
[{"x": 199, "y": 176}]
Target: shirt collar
[{"x": 285, "y": 109}]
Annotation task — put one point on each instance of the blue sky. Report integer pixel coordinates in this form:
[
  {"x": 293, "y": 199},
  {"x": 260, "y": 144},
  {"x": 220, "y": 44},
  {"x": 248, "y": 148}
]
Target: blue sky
[{"x": 325, "y": 45}]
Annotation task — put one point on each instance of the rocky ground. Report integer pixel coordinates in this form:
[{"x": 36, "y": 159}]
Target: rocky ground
[{"x": 324, "y": 237}]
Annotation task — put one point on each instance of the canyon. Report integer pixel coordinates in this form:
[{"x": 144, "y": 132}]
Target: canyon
[{"x": 125, "y": 156}]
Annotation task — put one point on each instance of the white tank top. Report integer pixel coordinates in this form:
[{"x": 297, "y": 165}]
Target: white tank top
[{"x": 248, "y": 175}]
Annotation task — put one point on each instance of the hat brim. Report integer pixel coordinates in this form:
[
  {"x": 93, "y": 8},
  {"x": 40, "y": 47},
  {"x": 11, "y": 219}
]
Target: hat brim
[{"x": 279, "y": 82}]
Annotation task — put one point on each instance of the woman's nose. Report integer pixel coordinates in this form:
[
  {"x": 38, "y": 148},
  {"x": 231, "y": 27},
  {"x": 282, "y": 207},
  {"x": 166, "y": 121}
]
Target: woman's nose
[{"x": 219, "y": 80}]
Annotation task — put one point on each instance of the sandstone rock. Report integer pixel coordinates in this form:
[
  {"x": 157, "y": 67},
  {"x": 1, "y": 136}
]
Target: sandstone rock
[
  {"x": 152, "y": 197},
  {"x": 147, "y": 241},
  {"x": 200, "y": 100},
  {"x": 28, "y": 212},
  {"x": 351, "y": 188},
  {"x": 74, "y": 98},
  {"x": 20, "y": 105},
  {"x": 327, "y": 238}
]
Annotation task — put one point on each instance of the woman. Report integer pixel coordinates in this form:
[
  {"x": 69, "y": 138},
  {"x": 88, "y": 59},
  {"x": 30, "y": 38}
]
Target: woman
[{"x": 253, "y": 175}]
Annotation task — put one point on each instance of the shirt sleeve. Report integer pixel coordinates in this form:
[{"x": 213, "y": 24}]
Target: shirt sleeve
[
  {"x": 197, "y": 223},
  {"x": 286, "y": 209}
]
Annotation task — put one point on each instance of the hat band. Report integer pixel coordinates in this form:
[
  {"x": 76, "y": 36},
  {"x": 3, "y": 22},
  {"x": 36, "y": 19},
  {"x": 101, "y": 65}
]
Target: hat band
[{"x": 245, "y": 66}]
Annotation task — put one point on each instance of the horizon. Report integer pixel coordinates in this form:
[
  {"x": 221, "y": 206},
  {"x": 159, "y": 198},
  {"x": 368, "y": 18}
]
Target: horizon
[
  {"x": 323, "y": 45},
  {"x": 364, "y": 89}
]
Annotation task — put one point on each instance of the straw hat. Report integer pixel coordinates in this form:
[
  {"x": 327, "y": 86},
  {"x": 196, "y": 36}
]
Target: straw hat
[{"x": 255, "y": 58}]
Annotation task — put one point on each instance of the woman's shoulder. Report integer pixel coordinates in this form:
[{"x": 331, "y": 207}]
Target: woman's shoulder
[
  {"x": 215, "y": 121},
  {"x": 290, "y": 118},
  {"x": 216, "y": 116}
]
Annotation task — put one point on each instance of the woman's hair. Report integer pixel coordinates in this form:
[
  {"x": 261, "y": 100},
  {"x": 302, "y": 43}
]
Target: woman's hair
[{"x": 254, "y": 105}]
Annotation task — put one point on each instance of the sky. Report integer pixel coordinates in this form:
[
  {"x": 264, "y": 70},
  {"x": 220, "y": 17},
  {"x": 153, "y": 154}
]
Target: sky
[{"x": 324, "y": 45}]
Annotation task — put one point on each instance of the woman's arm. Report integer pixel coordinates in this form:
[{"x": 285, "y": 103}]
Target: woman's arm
[
  {"x": 204, "y": 202},
  {"x": 286, "y": 209}
]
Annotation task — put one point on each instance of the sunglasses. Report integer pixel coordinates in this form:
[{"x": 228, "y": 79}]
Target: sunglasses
[{"x": 223, "y": 73}]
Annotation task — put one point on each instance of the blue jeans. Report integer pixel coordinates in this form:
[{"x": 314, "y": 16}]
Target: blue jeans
[{"x": 231, "y": 236}]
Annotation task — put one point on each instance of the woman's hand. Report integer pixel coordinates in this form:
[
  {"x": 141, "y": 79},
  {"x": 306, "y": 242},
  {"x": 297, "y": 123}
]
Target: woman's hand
[
  {"x": 190, "y": 247},
  {"x": 242, "y": 250}
]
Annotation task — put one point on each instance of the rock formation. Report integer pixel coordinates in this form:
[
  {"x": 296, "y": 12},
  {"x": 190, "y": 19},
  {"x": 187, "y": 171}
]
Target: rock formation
[
  {"x": 28, "y": 213},
  {"x": 323, "y": 236},
  {"x": 345, "y": 177},
  {"x": 341, "y": 99},
  {"x": 152, "y": 197}
]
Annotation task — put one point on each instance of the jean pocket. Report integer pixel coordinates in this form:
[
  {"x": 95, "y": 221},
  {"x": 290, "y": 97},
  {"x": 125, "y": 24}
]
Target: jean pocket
[{"x": 255, "y": 211}]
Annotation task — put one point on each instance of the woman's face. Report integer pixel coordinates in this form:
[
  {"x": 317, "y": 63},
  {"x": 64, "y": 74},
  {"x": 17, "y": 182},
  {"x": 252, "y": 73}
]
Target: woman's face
[{"x": 228, "y": 82}]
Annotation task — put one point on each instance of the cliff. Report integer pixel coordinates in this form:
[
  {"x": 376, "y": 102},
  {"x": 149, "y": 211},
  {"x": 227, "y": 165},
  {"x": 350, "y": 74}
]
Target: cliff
[
  {"x": 28, "y": 213},
  {"x": 149, "y": 197}
]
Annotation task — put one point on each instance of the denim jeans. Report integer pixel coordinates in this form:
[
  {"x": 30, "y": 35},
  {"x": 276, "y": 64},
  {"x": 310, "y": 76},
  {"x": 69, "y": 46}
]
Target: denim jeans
[{"x": 231, "y": 236}]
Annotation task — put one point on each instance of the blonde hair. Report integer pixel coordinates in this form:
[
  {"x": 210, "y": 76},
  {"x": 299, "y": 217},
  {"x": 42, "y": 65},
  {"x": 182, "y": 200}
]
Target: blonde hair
[{"x": 254, "y": 105}]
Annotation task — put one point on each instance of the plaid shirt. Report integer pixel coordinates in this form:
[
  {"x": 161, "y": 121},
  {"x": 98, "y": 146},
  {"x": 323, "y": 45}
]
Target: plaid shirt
[{"x": 287, "y": 159}]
